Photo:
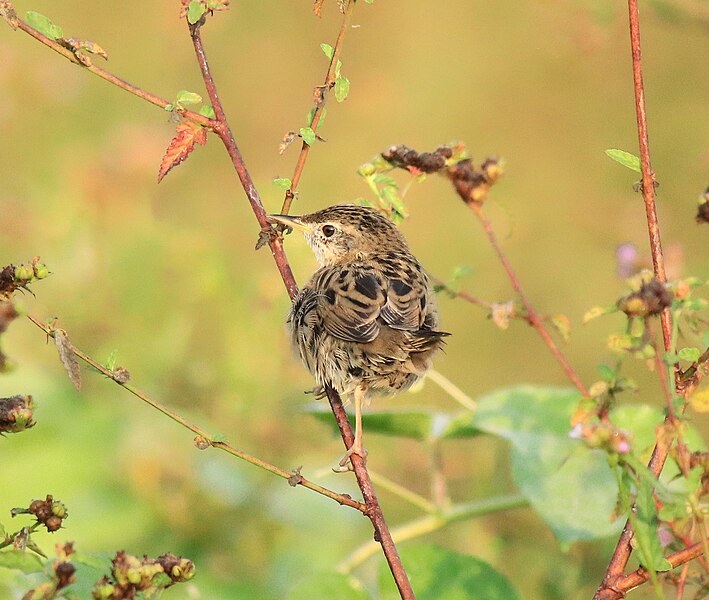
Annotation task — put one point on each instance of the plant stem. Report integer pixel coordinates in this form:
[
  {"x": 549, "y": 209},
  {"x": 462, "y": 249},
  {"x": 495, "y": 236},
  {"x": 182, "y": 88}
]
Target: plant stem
[
  {"x": 110, "y": 77},
  {"x": 275, "y": 242},
  {"x": 226, "y": 447},
  {"x": 434, "y": 522},
  {"x": 532, "y": 315},
  {"x": 321, "y": 95},
  {"x": 451, "y": 389}
]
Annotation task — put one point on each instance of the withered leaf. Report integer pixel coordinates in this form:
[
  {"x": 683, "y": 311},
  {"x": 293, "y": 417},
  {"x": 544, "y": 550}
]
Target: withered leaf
[
  {"x": 188, "y": 134},
  {"x": 287, "y": 141},
  {"x": 67, "y": 356}
]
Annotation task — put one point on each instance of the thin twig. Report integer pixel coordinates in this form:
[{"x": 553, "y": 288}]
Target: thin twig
[
  {"x": 110, "y": 77},
  {"x": 374, "y": 512},
  {"x": 293, "y": 478},
  {"x": 532, "y": 315},
  {"x": 321, "y": 95},
  {"x": 462, "y": 294},
  {"x": 451, "y": 389}
]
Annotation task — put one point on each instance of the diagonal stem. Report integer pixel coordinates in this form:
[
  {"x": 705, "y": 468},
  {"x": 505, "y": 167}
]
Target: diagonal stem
[
  {"x": 293, "y": 478},
  {"x": 373, "y": 511},
  {"x": 532, "y": 316}
]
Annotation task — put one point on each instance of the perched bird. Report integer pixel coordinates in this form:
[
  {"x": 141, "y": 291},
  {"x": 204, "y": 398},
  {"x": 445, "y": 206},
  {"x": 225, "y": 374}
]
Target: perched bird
[{"x": 366, "y": 321}]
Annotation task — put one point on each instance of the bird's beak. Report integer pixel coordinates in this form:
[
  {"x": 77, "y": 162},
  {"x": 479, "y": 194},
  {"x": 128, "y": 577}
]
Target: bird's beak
[{"x": 288, "y": 221}]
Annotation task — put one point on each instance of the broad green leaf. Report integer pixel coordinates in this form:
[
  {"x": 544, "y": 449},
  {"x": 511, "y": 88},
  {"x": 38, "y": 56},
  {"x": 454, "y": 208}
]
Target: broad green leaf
[
  {"x": 326, "y": 586},
  {"x": 419, "y": 425},
  {"x": 342, "y": 88},
  {"x": 44, "y": 25},
  {"x": 23, "y": 561},
  {"x": 570, "y": 486},
  {"x": 626, "y": 159},
  {"x": 645, "y": 530},
  {"x": 282, "y": 182},
  {"x": 195, "y": 10},
  {"x": 207, "y": 111},
  {"x": 186, "y": 97},
  {"x": 440, "y": 574},
  {"x": 308, "y": 135},
  {"x": 327, "y": 49}
]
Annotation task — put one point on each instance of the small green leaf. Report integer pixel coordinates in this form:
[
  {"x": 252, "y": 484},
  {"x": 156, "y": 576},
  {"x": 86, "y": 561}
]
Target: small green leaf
[
  {"x": 185, "y": 97},
  {"x": 44, "y": 25},
  {"x": 626, "y": 159},
  {"x": 218, "y": 438},
  {"x": 23, "y": 561},
  {"x": 689, "y": 354},
  {"x": 282, "y": 182},
  {"x": 327, "y": 49},
  {"x": 607, "y": 374},
  {"x": 195, "y": 11},
  {"x": 369, "y": 1},
  {"x": 170, "y": 107},
  {"x": 110, "y": 363},
  {"x": 645, "y": 530},
  {"x": 207, "y": 111},
  {"x": 342, "y": 88},
  {"x": 597, "y": 311},
  {"x": 308, "y": 135},
  {"x": 440, "y": 574},
  {"x": 338, "y": 68}
]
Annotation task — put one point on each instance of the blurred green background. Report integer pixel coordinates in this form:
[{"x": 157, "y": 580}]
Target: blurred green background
[{"x": 167, "y": 274}]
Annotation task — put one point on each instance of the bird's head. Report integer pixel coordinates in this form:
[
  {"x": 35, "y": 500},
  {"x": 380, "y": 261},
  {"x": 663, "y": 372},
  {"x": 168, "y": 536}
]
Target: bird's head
[{"x": 345, "y": 231}]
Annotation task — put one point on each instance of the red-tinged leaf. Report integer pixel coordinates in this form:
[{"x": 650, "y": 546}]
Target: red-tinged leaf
[{"x": 188, "y": 134}]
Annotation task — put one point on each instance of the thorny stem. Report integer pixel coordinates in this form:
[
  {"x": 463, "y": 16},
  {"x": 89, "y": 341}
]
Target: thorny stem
[
  {"x": 382, "y": 535},
  {"x": 110, "y": 77},
  {"x": 321, "y": 93},
  {"x": 623, "y": 549},
  {"x": 532, "y": 315},
  {"x": 293, "y": 478},
  {"x": 222, "y": 129},
  {"x": 373, "y": 511}
]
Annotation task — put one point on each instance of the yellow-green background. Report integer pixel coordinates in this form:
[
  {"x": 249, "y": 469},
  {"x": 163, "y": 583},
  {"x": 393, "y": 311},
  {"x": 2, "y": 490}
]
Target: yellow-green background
[{"x": 167, "y": 274}]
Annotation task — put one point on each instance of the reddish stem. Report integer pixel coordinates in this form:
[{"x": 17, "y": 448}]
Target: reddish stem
[
  {"x": 374, "y": 512},
  {"x": 532, "y": 315}
]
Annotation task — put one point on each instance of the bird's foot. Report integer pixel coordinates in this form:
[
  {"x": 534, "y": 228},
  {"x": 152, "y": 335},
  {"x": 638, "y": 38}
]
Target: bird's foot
[{"x": 345, "y": 463}]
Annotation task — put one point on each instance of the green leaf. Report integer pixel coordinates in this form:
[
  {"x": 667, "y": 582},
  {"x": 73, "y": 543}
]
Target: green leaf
[
  {"x": 44, "y": 25},
  {"x": 597, "y": 311},
  {"x": 570, "y": 486},
  {"x": 689, "y": 354},
  {"x": 327, "y": 49},
  {"x": 440, "y": 574},
  {"x": 325, "y": 586},
  {"x": 626, "y": 159},
  {"x": 369, "y": 1},
  {"x": 22, "y": 561},
  {"x": 308, "y": 135},
  {"x": 311, "y": 116},
  {"x": 195, "y": 10},
  {"x": 645, "y": 530},
  {"x": 420, "y": 424},
  {"x": 207, "y": 111},
  {"x": 282, "y": 182},
  {"x": 186, "y": 97},
  {"x": 607, "y": 373},
  {"x": 342, "y": 88},
  {"x": 219, "y": 438}
]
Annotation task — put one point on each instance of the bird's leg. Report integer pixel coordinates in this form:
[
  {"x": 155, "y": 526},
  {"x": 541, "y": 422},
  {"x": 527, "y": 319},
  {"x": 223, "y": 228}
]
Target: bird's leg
[{"x": 356, "y": 447}]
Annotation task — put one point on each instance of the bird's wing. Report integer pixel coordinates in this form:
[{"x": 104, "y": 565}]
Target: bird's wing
[
  {"x": 354, "y": 303},
  {"x": 349, "y": 302}
]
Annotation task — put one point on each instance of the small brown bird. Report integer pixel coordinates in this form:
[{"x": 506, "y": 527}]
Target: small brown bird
[{"x": 366, "y": 321}]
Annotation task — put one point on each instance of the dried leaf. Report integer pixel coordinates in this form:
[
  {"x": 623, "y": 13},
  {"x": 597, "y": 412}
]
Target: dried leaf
[
  {"x": 502, "y": 313},
  {"x": 563, "y": 326},
  {"x": 317, "y": 7},
  {"x": 287, "y": 141},
  {"x": 67, "y": 356},
  {"x": 76, "y": 45},
  {"x": 188, "y": 134},
  {"x": 8, "y": 13}
]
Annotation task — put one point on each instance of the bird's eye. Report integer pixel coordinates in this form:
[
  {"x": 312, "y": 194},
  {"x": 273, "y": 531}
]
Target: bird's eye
[{"x": 328, "y": 230}]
